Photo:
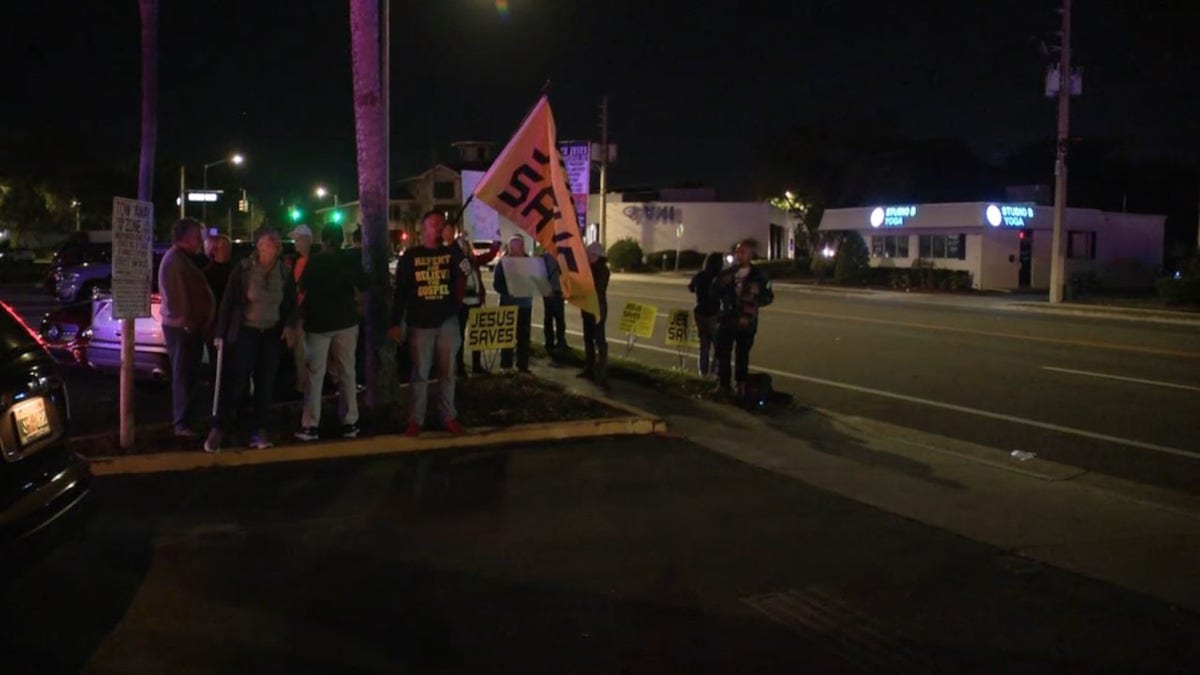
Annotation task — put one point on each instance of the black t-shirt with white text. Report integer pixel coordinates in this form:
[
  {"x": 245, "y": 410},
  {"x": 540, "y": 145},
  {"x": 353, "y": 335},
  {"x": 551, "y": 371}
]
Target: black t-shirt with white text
[{"x": 429, "y": 285}]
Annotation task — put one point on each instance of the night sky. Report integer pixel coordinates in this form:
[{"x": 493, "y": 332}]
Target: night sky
[{"x": 693, "y": 86}]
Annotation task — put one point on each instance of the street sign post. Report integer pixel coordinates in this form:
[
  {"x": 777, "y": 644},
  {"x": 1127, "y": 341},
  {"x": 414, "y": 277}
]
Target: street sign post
[{"x": 133, "y": 233}]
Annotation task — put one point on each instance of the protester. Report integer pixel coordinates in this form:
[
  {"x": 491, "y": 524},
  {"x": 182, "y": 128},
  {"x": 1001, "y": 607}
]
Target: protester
[
  {"x": 430, "y": 280},
  {"x": 302, "y": 236},
  {"x": 330, "y": 318},
  {"x": 475, "y": 294},
  {"x": 706, "y": 310},
  {"x": 740, "y": 291},
  {"x": 524, "y": 305},
  {"x": 554, "y": 322},
  {"x": 257, "y": 314},
  {"x": 595, "y": 343},
  {"x": 218, "y": 248},
  {"x": 188, "y": 307}
]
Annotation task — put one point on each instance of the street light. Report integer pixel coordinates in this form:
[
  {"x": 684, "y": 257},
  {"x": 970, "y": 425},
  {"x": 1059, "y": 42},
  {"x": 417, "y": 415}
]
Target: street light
[
  {"x": 321, "y": 192},
  {"x": 76, "y": 204},
  {"x": 236, "y": 159}
]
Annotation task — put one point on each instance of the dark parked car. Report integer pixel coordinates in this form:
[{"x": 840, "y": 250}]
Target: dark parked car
[
  {"x": 65, "y": 332},
  {"x": 40, "y": 479},
  {"x": 76, "y": 254}
]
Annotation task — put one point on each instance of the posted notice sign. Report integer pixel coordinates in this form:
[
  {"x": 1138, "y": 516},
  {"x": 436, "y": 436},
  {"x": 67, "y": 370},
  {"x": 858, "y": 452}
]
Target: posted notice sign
[
  {"x": 638, "y": 319},
  {"x": 132, "y": 255},
  {"x": 679, "y": 329},
  {"x": 491, "y": 328}
]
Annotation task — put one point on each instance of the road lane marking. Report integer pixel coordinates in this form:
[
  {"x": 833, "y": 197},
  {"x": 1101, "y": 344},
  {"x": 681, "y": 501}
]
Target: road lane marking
[
  {"x": 971, "y": 331},
  {"x": 1138, "y": 380},
  {"x": 1013, "y": 419}
]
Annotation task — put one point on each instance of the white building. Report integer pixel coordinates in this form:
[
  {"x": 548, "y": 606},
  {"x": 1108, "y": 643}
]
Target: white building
[
  {"x": 702, "y": 226},
  {"x": 1006, "y": 246}
]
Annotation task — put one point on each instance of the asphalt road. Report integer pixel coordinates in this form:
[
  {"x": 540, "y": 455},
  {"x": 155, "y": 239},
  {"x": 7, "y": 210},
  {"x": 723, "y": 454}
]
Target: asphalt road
[
  {"x": 1112, "y": 396},
  {"x": 646, "y": 555}
]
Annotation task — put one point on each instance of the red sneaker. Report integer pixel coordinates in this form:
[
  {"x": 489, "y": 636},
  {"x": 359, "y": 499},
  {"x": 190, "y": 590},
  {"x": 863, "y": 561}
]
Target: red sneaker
[
  {"x": 455, "y": 427},
  {"x": 412, "y": 430}
]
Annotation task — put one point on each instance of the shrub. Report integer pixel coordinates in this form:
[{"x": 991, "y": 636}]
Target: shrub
[
  {"x": 691, "y": 260},
  {"x": 625, "y": 255},
  {"x": 852, "y": 263},
  {"x": 1183, "y": 291}
]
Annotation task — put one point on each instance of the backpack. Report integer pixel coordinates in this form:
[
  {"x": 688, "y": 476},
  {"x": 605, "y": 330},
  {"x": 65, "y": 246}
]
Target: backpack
[{"x": 757, "y": 391}]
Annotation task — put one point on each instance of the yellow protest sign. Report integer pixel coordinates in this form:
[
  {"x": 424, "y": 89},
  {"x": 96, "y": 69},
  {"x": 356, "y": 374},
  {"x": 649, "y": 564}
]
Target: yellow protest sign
[
  {"x": 680, "y": 331},
  {"x": 638, "y": 319},
  {"x": 491, "y": 328}
]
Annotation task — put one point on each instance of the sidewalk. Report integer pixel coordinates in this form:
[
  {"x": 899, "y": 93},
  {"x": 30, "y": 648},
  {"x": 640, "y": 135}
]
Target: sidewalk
[{"x": 1133, "y": 536}]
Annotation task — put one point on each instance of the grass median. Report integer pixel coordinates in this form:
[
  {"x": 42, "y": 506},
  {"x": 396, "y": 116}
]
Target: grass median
[{"x": 489, "y": 402}]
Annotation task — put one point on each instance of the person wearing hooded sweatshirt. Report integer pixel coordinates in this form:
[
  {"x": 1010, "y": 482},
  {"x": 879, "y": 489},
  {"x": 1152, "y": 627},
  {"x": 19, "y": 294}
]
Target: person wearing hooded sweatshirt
[{"x": 595, "y": 344}]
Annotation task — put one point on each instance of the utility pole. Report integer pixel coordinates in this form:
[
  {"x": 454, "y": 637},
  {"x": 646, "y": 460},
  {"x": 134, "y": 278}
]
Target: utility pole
[
  {"x": 1057, "y": 257},
  {"x": 182, "y": 192},
  {"x": 604, "y": 171}
]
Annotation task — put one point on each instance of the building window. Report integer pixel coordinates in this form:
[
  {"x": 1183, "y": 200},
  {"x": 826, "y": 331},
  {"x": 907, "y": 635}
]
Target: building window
[
  {"x": 443, "y": 189},
  {"x": 889, "y": 246},
  {"x": 942, "y": 246},
  {"x": 1081, "y": 245}
]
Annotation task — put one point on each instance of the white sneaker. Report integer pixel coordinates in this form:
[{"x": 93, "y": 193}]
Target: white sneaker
[{"x": 213, "y": 442}]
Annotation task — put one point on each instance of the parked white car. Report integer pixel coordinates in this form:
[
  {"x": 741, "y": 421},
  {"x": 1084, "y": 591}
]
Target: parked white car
[{"x": 150, "y": 361}]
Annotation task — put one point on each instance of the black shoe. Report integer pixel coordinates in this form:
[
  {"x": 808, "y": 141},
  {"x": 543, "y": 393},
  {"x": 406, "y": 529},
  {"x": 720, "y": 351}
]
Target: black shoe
[
  {"x": 308, "y": 434},
  {"x": 349, "y": 431},
  {"x": 186, "y": 432}
]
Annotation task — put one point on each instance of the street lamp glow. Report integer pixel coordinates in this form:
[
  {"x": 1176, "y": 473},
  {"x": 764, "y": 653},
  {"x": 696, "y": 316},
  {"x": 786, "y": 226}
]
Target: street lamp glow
[
  {"x": 321, "y": 192},
  {"x": 237, "y": 158}
]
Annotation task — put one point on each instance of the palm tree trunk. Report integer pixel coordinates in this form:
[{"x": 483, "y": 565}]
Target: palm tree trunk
[{"x": 370, "y": 126}]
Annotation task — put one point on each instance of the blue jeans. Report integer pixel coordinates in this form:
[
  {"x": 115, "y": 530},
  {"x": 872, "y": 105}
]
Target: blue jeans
[
  {"x": 185, "y": 349},
  {"x": 706, "y": 330},
  {"x": 423, "y": 345},
  {"x": 554, "y": 322},
  {"x": 255, "y": 354}
]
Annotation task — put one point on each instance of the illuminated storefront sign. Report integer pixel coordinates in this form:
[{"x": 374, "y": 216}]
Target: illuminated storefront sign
[
  {"x": 1008, "y": 215},
  {"x": 891, "y": 216}
]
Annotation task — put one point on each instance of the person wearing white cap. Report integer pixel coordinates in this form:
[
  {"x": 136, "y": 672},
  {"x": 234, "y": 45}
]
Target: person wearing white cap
[{"x": 595, "y": 345}]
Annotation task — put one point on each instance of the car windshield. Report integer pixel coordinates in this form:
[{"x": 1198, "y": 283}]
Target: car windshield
[{"x": 15, "y": 338}]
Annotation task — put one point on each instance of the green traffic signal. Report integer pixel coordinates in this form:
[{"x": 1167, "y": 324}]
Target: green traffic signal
[
  {"x": 295, "y": 214},
  {"x": 337, "y": 217}
]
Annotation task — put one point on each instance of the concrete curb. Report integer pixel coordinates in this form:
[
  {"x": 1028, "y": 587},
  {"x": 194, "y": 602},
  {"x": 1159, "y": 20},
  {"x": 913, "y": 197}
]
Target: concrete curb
[{"x": 387, "y": 444}]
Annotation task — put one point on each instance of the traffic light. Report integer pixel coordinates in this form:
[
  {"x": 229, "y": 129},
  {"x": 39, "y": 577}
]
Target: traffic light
[
  {"x": 337, "y": 217},
  {"x": 295, "y": 214},
  {"x": 243, "y": 205}
]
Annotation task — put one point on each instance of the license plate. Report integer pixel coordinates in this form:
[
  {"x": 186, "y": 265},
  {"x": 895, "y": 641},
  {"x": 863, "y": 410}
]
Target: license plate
[{"x": 32, "y": 421}]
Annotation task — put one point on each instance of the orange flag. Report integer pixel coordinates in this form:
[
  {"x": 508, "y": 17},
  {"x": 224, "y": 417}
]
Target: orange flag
[{"x": 528, "y": 185}]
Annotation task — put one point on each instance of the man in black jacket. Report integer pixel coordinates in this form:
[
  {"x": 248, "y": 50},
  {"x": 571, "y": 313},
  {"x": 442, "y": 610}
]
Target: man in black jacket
[
  {"x": 330, "y": 319},
  {"x": 741, "y": 290}
]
